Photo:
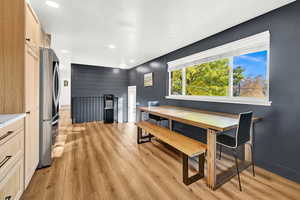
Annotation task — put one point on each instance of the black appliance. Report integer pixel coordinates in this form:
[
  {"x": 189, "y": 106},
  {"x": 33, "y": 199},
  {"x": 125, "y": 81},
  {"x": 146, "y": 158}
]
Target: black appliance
[{"x": 108, "y": 108}]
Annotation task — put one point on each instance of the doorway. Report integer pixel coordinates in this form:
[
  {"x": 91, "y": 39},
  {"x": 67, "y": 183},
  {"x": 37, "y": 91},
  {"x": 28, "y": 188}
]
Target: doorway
[{"x": 131, "y": 103}]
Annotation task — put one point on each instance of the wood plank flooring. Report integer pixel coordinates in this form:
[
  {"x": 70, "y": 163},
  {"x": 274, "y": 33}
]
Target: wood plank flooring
[{"x": 95, "y": 161}]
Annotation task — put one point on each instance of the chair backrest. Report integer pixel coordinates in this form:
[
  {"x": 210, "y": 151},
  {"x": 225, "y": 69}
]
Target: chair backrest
[{"x": 244, "y": 128}]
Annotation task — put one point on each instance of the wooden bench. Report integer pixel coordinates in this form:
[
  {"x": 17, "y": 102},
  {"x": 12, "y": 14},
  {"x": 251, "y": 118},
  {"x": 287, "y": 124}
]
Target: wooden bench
[{"x": 187, "y": 146}]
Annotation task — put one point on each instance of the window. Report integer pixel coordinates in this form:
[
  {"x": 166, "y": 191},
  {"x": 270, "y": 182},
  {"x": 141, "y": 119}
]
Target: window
[
  {"x": 235, "y": 73},
  {"x": 250, "y": 75},
  {"x": 208, "y": 79},
  {"x": 176, "y": 77}
]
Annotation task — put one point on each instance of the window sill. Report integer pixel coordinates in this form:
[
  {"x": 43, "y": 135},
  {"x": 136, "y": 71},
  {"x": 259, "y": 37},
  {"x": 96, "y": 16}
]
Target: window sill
[{"x": 248, "y": 101}]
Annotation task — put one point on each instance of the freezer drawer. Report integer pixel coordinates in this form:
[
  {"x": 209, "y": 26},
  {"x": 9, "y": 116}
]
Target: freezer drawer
[{"x": 45, "y": 144}]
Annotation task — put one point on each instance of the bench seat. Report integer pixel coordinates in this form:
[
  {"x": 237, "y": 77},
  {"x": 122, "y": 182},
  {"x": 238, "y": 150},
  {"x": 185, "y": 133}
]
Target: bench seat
[
  {"x": 180, "y": 142},
  {"x": 188, "y": 146}
]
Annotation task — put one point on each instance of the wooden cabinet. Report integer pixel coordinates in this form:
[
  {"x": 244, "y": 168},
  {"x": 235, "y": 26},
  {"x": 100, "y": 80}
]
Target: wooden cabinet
[
  {"x": 31, "y": 79},
  {"x": 11, "y": 150},
  {"x": 32, "y": 29},
  {"x": 11, "y": 187},
  {"x": 31, "y": 94},
  {"x": 31, "y": 66},
  {"x": 20, "y": 39},
  {"x": 36, "y": 140},
  {"x": 12, "y": 54},
  {"x": 12, "y": 160},
  {"x": 31, "y": 146},
  {"x": 19, "y": 57},
  {"x": 45, "y": 39}
]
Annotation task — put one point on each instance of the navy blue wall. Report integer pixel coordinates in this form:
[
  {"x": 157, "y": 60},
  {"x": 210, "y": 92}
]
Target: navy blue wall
[
  {"x": 96, "y": 81},
  {"x": 277, "y": 138}
]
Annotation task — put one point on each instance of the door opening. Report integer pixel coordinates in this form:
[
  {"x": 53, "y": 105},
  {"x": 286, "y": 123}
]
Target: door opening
[{"x": 131, "y": 103}]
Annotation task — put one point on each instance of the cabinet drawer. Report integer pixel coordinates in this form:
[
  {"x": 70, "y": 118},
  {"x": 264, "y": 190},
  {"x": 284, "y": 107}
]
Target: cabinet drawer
[
  {"x": 11, "y": 187},
  {"x": 11, "y": 151},
  {"x": 9, "y": 130}
]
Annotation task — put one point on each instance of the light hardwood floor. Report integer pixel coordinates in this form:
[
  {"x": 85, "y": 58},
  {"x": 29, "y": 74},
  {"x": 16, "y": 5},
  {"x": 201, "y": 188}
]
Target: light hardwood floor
[{"x": 97, "y": 161}]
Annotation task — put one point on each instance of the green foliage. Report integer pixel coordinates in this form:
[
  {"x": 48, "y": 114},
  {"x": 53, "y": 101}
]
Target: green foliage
[
  {"x": 212, "y": 79},
  {"x": 208, "y": 79},
  {"x": 176, "y": 82},
  {"x": 238, "y": 77}
]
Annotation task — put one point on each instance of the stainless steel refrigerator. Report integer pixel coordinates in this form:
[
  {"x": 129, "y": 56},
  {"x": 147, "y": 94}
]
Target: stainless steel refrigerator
[{"x": 49, "y": 104}]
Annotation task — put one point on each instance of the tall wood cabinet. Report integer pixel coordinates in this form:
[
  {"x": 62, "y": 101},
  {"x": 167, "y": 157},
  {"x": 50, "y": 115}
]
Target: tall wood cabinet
[
  {"x": 20, "y": 39},
  {"x": 32, "y": 43}
]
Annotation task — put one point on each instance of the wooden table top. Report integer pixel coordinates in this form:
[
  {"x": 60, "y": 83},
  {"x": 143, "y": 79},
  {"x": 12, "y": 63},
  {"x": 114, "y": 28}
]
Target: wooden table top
[{"x": 199, "y": 118}]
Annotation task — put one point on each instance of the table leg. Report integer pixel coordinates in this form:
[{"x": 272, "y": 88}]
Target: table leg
[
  {"x": 211, "y": 158},
  {"x": 170, "y": 125},
  {"x": 140, "y": 117}
]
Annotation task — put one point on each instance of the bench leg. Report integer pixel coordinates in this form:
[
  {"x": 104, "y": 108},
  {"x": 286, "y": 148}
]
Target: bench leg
[
  {"x": 185, "y": 169},
  {"x": 138, "y": 134},
  {"x": 140, "y": 137}
]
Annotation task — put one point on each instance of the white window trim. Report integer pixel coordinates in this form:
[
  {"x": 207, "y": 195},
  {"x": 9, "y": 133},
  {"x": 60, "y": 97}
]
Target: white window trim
[
  {"x": 261, "y": 40},
  {"x": 243, "y": 45},
  {"x": 234, "y": 100}
]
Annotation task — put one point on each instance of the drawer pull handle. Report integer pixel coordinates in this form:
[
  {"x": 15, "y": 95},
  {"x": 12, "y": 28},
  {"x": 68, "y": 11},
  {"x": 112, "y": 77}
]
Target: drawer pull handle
[
  {"x": 5, "y": 160},
  {"x": 6, "y": 135},
  {"x": 8, "y": 197}
]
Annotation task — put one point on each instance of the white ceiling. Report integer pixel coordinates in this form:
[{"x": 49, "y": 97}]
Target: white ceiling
[{"x": 140, "y": 30}]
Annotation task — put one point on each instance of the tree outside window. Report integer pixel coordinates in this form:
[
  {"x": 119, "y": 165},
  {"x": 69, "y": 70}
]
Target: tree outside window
[
  {"x": 176, "y": 77},
  {"x": 208, "y": 79},
  {"x": 247, "y": 72},
  {"x": 249, "y": 75}
]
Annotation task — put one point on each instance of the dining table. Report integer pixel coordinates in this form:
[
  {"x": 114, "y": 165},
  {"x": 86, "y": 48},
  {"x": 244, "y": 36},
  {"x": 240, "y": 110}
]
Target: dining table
[{"x": 213, "y": 123}]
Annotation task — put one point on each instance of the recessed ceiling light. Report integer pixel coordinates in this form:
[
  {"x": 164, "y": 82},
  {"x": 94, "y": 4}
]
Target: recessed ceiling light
[
  {"x": 52, "y": 4},
  {"x": 131, "y": 60},
  {"x": 111, "y": 46},
  {"x": 65, "y": 51}
]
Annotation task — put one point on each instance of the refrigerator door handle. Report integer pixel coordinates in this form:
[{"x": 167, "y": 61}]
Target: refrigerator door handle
[
  {"x": 59, "y": 88},
  {"x": 54, "y": 122},
  {"x": 53, "y": 86},
  {"x": 55, "y": 95}
]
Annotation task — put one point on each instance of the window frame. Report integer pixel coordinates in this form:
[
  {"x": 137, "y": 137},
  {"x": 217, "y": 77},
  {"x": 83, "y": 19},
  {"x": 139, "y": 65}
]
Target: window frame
[{"x": 185, "y": 62}]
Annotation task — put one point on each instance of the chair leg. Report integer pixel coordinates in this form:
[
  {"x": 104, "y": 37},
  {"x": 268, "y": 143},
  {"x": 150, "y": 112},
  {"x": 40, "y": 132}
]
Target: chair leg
[
  {"x": 237, "y": 169},
  {"x": 252, "y": 159},
  {"x": 220, "y": 155}
]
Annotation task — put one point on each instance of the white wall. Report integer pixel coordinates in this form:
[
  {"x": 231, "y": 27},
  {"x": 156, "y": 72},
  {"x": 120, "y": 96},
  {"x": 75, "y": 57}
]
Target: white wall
[{"x": 65, "y": 75}]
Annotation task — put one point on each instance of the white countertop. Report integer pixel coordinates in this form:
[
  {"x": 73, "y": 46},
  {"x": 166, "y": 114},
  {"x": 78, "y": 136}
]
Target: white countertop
[{"x": 6, "y": 119}]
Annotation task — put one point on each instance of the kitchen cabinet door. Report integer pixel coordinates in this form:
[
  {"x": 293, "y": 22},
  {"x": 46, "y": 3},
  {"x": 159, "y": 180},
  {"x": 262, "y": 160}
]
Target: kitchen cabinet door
[
  {"x": 31, "y": 145},
  {"x": 31, "y": 82},
  {"x": 35, "y": 139},
  {"x": 32, "y": 30}
]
